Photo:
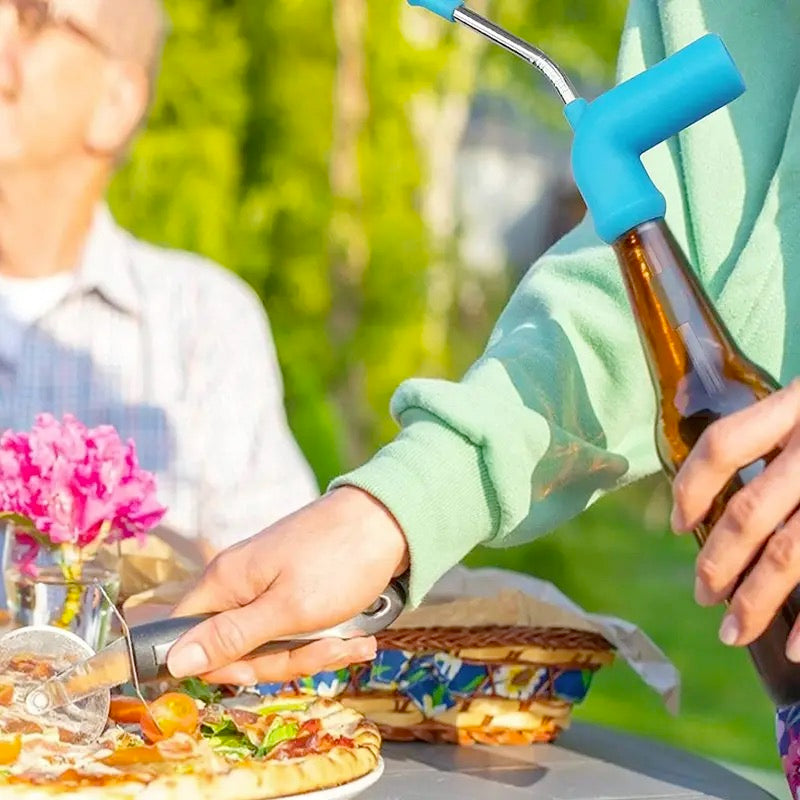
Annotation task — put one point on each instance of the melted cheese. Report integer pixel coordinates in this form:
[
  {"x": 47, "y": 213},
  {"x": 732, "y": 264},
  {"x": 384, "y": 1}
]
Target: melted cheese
[{"x": 46, "y": 756}]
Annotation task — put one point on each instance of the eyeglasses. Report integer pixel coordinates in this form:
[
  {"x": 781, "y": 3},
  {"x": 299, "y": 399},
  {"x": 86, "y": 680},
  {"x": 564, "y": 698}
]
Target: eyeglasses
[{"x": 33, "y": 16}]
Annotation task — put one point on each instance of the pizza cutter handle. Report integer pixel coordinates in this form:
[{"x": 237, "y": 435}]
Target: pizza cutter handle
[{"x": 152, "y": 642}]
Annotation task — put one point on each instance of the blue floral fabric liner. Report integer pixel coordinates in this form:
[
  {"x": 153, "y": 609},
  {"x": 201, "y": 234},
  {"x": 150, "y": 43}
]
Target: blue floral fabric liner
[
  {"x": 787, "y": 725},
  {"x": 435, "y": 683}
]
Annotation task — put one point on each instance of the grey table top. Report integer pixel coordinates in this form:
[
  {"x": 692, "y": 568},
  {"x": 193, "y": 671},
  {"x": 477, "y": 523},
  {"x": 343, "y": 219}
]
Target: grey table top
[{"x": 587, "y": 763}]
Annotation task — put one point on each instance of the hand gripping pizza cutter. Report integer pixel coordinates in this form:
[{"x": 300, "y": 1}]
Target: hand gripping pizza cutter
[{"x": 78, "y": 697}]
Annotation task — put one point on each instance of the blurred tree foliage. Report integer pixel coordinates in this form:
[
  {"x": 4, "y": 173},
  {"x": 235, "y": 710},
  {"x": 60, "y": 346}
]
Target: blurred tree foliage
[{"x": 309, "y": 145}]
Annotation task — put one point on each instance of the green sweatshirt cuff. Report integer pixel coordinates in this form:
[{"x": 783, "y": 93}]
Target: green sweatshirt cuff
[{"x": 436, "y": 485}]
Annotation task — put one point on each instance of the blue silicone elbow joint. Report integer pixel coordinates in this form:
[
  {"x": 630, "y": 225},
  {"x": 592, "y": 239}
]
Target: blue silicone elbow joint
[
  {"x": 444, "y": 8},
  {"x": 615, "y": 130}
]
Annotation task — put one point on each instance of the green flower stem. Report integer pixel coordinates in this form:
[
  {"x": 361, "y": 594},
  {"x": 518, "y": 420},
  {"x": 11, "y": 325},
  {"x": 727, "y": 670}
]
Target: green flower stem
[
  {"x": 72, "y": 569},
  {"x": 72, "y": 601}
]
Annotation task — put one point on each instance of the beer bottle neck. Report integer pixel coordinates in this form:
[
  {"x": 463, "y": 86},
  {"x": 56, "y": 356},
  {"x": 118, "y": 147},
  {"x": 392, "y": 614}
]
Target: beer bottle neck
[{"x": 681, "y": 333}]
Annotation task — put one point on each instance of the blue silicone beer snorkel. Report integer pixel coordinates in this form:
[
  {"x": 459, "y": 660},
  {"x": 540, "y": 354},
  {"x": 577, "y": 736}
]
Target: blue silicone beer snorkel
[{"x": 613, "y": 131}]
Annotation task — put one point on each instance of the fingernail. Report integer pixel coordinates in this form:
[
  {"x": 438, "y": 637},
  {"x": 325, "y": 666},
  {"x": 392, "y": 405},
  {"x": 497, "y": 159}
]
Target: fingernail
[
  {"x": 186, "y": 660},
  {"x": 703, "y": 596},
  {"x": 676, "y": 520},
  {"x": 729, "y": 631},
  {"x": 793, "y": 648}
]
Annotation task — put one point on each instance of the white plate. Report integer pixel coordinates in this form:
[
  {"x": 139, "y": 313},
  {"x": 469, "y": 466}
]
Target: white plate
[{"x": 346, "y": 792}]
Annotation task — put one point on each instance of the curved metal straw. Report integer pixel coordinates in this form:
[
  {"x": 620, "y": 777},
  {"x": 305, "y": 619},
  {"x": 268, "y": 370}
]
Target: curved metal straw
[{"x": 527, "y": 52}]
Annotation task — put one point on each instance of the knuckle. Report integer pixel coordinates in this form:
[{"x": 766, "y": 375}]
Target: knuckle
[
  {"x": 229, "y": 579},
  {"x": 715, "y": 443},
  {"x": 782, "y": 551},
  {"x": 743, "y": 508},
  {"x": 302, "y": 600},
  {"x": 226, "y": 637},
  {"x": 305, "y": 613},
  {"x": 241, "y": 586},
  {"x": 251, "y": 582},
  {"x": 216, "y": 570},
  {"x": 708, "y": 572}
]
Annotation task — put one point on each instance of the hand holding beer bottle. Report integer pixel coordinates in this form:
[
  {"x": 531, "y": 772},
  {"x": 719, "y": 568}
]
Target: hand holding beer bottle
[{"x": 752, "y": 552}]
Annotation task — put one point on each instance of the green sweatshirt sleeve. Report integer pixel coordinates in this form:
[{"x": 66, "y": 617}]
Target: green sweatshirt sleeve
[{"x": 559, "y": 409}]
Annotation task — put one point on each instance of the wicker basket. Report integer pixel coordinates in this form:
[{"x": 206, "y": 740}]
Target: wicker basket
[{"x": 492, "y": 685}]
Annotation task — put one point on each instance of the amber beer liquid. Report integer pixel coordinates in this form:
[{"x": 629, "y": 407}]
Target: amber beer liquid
[{"x": 699, "y": 375}]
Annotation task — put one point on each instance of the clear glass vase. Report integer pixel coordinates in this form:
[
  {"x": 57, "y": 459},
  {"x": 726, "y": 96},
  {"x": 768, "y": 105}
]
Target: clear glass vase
[{"x": 61, "y": 586}]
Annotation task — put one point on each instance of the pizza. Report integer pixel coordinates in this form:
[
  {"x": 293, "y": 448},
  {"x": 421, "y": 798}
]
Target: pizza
[{"x": 187, "y": 744}]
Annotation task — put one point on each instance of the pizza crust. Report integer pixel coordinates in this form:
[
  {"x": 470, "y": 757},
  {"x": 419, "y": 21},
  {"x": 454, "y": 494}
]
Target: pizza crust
[
  {"x": 260, "y": 781},
  {"x": 247, "y": 780}
]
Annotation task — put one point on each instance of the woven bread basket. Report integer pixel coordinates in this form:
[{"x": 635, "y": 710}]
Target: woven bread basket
[{"x": 489, "y": 685}]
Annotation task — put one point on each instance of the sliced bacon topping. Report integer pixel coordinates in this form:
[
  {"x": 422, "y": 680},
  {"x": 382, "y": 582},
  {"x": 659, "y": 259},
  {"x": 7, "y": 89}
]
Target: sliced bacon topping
[
  {"x": 251, "y": 725},
  {"x": 15, "y": 725},
  {"x": 242, "y": 718},
  {"x": 311, "y": 726},
  {"x": 308, "y": 744},
  {"x": 32, "y": 665},
  {"x": 177, "y": 748}
]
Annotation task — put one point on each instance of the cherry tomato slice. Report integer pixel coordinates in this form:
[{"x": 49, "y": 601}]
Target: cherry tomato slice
[{"x": 171, "y": 713}]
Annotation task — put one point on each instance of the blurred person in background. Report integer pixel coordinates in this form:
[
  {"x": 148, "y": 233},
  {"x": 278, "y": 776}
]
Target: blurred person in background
[{"x": 171, "y": 349}]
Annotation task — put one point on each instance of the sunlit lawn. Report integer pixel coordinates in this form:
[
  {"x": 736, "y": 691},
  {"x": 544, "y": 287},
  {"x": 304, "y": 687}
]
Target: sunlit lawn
[{"x": 610, "y": 561}]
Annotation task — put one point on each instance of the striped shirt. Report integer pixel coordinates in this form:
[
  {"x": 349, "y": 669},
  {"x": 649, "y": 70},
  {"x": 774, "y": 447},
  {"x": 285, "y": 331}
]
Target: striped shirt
[{"x": 177, "y": 354}]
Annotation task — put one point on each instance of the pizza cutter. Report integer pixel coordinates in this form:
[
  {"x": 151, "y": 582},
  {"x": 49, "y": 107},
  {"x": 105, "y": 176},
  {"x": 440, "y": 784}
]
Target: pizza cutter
[
  {"x": 86, "y": 718},
  {"x": 141, "y": 655}
]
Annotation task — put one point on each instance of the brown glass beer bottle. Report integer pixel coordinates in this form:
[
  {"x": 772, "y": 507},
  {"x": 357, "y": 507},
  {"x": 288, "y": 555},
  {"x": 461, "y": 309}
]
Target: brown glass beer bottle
[{"x": 699, "y": 375}]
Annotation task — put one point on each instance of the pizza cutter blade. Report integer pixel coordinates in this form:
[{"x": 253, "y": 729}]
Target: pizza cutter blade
[{"x": 84, "y": 719}]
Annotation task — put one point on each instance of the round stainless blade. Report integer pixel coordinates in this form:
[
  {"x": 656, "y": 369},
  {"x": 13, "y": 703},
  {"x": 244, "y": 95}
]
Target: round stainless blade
[{"x": 84, "y": 720}]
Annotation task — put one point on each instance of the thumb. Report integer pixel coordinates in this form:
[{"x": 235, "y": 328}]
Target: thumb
[{"x": 230, "y": 635}]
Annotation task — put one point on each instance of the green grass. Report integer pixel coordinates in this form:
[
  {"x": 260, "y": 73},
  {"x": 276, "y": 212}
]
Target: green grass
[{"x": 619, "y": 558}]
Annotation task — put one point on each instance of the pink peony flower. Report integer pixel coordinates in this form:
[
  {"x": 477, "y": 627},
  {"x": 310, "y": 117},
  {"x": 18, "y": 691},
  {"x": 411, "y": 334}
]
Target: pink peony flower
[{"x": 70, "y": 482}]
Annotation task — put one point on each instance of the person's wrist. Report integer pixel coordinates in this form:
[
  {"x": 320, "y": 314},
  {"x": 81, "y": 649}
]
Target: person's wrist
[{"x": 380, "y": 525}]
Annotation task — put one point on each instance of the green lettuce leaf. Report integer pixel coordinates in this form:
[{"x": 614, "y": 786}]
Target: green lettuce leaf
[
  {"x": 278, "y": 732},
  {"x": 226, "y": 738},
  {"x": 288, "y": 705},
  {"x": 223, "y": 727},
  {"x": 229, "y": 745},
  {"x": 200, "y": 690}
]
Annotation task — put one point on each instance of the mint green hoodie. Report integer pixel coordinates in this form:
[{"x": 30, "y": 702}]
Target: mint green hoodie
[{"x": 559, "y": 409}]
